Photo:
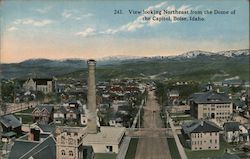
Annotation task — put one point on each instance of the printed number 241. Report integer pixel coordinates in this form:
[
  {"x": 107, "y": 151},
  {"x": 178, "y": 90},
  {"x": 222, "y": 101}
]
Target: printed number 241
[{"x": 118, "y": 11}]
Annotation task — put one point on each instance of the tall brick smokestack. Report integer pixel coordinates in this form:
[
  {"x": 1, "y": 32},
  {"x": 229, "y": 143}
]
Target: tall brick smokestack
[{"x": 92, "y": 125}]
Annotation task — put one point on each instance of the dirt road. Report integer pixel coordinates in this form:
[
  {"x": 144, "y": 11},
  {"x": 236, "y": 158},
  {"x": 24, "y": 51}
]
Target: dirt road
[{"x": 153, "y": 143}]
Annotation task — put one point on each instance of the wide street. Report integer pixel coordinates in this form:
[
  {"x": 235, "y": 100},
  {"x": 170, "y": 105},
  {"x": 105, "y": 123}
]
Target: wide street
[{"x": 152, "y": 142}]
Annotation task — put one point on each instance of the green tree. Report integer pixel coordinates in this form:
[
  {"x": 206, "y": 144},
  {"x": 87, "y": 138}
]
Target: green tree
[
  {"x": 7, "y": 92},
  {"x": 40, "y": 96}
]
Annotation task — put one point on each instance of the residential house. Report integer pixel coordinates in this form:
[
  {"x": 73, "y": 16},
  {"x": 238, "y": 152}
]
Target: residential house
[
  {"x": 11, "y": 127},
  {"x": 202, "y": 135},
  {"x": 232, "y": 83},
  {"x": 211, "y": 105},
  {"x": 174, "y": 94},
  {"x": 234, "y": 132},
  {"x": 59, "y": 115},
  {"x": 71, "y": 112},
  {"x": 34, "y": 146},
  {"x": 43, "y": 114}
]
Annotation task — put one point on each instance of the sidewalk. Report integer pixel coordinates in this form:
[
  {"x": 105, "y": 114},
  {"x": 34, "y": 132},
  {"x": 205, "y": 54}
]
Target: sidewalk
[
  {"x": 177, "y": 140},
  {"x": 137, "y": 115},
  {"x": 125, "y": 144},
  {"x": 124, "y": 148}
]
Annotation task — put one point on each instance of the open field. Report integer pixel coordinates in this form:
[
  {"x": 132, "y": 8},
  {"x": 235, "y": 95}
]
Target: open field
[{"x": 105, "y": 156}]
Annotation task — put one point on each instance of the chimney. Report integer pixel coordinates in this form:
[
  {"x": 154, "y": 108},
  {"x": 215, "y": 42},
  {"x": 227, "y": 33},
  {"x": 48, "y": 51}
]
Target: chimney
[
  {"x": 202, "y": 122},
  {"x": 34, "y": 134},
  {"x": 92, "y": 125}
]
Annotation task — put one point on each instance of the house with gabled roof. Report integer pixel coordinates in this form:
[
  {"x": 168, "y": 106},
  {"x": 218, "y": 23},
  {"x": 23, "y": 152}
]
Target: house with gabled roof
[
  {"x": 234, "y": 132},
  {"x": 43, "y": 114},
  {"x": 201, "y": 135},
  {"x": 30, "y": 149},
  {"x": 11, "y": 127}
]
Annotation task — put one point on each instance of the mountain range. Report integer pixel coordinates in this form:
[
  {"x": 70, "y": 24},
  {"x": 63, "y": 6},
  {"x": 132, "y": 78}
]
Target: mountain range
[{"x": 135, "y": 65}]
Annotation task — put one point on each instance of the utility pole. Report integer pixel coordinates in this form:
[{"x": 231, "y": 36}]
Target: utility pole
[{"x": 139, "y": 119}]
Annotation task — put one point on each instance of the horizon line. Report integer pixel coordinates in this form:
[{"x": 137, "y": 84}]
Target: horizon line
[{"x": 119, "y": 55}]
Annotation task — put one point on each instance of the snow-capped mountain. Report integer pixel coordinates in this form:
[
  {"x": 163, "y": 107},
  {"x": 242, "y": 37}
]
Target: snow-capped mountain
[
  {"x": 230, "y": 53},
  {"x": 195, "y": 53}
]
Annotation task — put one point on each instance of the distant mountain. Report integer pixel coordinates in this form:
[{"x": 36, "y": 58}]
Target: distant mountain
[
  {"x": 230, "y": 53},
  {"x": 196, "y": 62},
  {"x": 54, "y": 63}
]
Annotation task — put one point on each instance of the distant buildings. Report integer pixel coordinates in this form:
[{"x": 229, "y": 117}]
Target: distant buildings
[
  {"x": 45, "y": 85},
  {"x": 202, "y": 135},
  {"x": 71, "y": 113},
  {"x": 174, "y": 94},
  {"x": 210, "y": 105}
]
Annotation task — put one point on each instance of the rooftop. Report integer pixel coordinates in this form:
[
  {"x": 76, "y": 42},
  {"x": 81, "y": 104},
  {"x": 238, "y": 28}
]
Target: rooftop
[
  {"x": 232, "y": 126},
  {"x": 10, "y": 121},
  {"x": 42, "y": 107},
  {"x": 200, "y": 127},
  {"x": 107, "y": 135},
  {"x": 210, "y": 97},
  {"x": 23, "y": 149}
]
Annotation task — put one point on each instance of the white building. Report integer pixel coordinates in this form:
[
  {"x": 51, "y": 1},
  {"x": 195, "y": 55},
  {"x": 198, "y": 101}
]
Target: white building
[
  {"x": 234, "y": 132},
  {"x": 107, "y": 140}
]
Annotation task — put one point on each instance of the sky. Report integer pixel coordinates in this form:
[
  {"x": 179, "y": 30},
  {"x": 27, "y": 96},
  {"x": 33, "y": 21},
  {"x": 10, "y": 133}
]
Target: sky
[{"x": 60, "y": 29}]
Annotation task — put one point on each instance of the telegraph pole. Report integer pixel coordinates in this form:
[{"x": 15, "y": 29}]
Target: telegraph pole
[{"x": 139, "y": 119}]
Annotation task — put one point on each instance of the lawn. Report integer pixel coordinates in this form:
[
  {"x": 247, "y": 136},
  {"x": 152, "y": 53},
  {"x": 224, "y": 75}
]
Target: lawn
[
  {"x": 30, "y": 110},
  {"x": 26, "y": 119},
  {"x": 132, "y": 148},
  {"x": 208, "y": 153},
  {"x": 177, "y": 114},
  {"x": 182, "y": 118},
  {"x": 173, "y": 148},
  {"x": 105, "y": 156}
]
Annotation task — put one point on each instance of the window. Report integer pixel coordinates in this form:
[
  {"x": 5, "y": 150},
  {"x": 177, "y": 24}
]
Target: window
[
  {"x": 71, "y": 141},
  {"x": 215, "y": 141},
  {"x": 63, "y": 152},
  {"x": 210, "y": 141},
  {"x": 210, "y": 134},
  {"x": 109, "y": 148},
  {"x": 71, "y": 153}
]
